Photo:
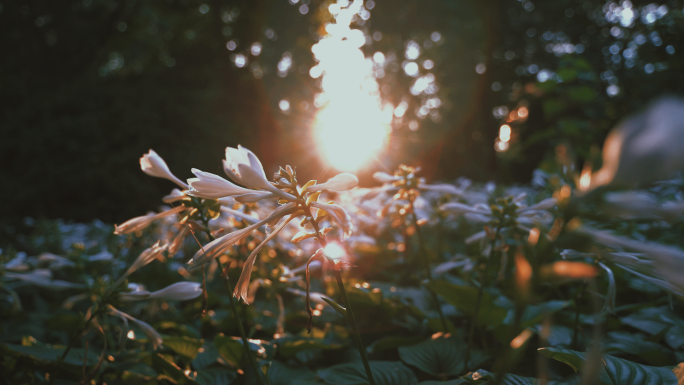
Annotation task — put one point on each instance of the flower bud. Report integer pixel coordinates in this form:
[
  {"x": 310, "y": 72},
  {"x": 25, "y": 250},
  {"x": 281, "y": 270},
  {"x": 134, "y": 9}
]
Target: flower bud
[{"x": 153, "y": 165}]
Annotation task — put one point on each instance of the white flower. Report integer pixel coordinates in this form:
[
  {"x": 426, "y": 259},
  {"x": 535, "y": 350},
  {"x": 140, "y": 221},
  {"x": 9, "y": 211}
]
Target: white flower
[
  {"x": 175, "y": 196},
  {"x": 443, "y": 188},
  {"x": 242, "y": 286},
  {"x": 338, "y": 215},
  {"x": 384, "y": 177},
  {"x": 43, "y": 278},
  {"x": 211, "y": 186},
  {"x": 668, "y": 261},
  {"x": 153, "y": 165},
  {"x": 644, "y": 148},
  {"x": 179, "y": 291},
  {"x": 148, "y": 330},
  {"x": 139, "y": 223},
  {"x": 244, "y": 167},
  {"x": 340, "y": 182},
  {"x": 220, "y": 245},
  {"x": 143, "y": 259}
]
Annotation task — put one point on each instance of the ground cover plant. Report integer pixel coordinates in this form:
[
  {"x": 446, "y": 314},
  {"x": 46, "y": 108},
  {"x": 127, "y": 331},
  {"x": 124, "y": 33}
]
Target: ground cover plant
[{"x": 256, "y": 279}]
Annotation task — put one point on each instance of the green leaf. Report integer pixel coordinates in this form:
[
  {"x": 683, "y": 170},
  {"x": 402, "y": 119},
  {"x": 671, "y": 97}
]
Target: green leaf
[
  {"x": 336, "y": 306},
  {"x": 615, "y": 371},
  {"x": 282, "y": 374},
  {"x": 648, "y": 320},
  {"x": 50, "y": 354},
  {"x": 483, "y": 377},
  {"x": 393, "y": 342},
  {"x": 384, "y": 373},
  {"x": 653, "y": 353},
  {"x": 439, "y": 357},
  {"x": 289, "y": 349},
  {"x": 464, "y": 298},
  {"x": 215, "y": 376},
  {"x": 169, "y": 369},
  {"x": 535, "y": 313},
  {"x": 186, "y": 347},
  {"x": 206, "y": 358},
  {"x": 229, "y": 349}
]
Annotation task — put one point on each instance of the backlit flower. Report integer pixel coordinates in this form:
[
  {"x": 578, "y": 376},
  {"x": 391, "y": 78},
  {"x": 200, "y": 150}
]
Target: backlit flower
[
  {"x": 139, "y": 223},
  {"x": 340, "y": 182},
  {"x": 153, "y": 165}
]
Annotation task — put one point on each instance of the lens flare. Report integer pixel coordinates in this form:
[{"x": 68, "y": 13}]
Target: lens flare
[{"x": 351, "y": 125}]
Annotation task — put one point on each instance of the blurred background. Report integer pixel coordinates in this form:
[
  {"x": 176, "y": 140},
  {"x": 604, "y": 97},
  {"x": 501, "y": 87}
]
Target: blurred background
[{"x": 489, "y": 90}]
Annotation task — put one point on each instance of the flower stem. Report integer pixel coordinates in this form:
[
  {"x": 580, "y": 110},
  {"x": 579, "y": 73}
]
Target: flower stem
[
  {"x": 347, "y": 304},
  {"x": 233, "y": 306},
  {"x": 241, "y": 329},
  {"x": 478, "y": 301},
  {"x": 426, "y": 265}
]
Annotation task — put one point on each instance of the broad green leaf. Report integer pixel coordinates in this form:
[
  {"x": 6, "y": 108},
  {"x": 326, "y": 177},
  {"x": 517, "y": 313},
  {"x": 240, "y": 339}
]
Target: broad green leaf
[
  {"x": 464, "y": 298},
  {"x": 439, "y": 357},
  {"x": 75, "y": 356},
  {"x": 483, "y": 377},
  {"x": 215, "y": 376},
  {"x": 535, "y": 313},
  {"x": 289, "y": 349},
  {"x": 205, "y": 358},
  {"x": 653, "y": 353},
  {"x": 648, "y": 320},
  {"x": 186, "y": 347},
  {"x": 616, "y": 371},
  {"x": 170, "y": 369},
  {"x": 384, "y": 373},
  {"x": 393, "y": 342},
  {"x": 282, "y": 374},
  {"x": 229, "y": 349}
]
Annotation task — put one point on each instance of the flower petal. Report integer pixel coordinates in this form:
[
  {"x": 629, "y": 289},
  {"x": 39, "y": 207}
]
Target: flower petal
[
  {"x": 340, "y": 182},
  {"x": 153, "y": 165},
  {"x": 242, "y": 286},
  {"x": 211, "y": 186}
]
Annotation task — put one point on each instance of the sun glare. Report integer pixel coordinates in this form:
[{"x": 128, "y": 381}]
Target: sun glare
[{"x": 351, "y": 125}]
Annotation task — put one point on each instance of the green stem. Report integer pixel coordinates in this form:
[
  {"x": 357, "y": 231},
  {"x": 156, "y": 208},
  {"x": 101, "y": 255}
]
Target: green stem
[
  {"x": 347, "y": 304},
  {"x": 233, "y": 306},
  {"x": 577, "y": 316},
  {"x": 483, "y": 276},
  {"x": 426, "y": 265}
]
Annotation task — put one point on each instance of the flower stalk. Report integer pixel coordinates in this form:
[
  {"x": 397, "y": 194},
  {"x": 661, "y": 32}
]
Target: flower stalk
[
  {"x": 233, "y": 305},
  {"x": 426, "y": 263},
  {"x": 347, "y": 304}
]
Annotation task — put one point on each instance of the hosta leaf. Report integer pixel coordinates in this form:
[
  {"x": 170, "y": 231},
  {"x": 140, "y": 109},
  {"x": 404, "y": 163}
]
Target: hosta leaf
[
  {"x": 384, "y": 373},
  {"x": 483, "y": 377},
  {"x": 75, "y": 356},
  {"x": 229, "y": 349},
  {"x": 627, "y": 343},
  {"x": 186, "y": 347},
  {"x": 206, "y": 358},
  {"x": 282, "y": 374},
  {"x": 616, "y": 371},
  {"x": 169, "y": 369},
  {"x": 464, "y": 298},
  {"x": 535, "y": 313},
  {"x": 215, "y": 376},
  {"x": 289, "y": 349},
  {"x": 439, "y": 357},
  {"x": 648, "y": 320},
  {"x": 393, "y": 342}
]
